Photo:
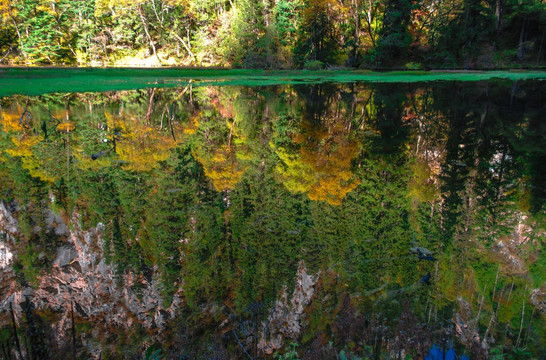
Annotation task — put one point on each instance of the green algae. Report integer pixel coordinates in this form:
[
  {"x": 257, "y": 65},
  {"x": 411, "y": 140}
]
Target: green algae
[{"x": 36, "y": 81}]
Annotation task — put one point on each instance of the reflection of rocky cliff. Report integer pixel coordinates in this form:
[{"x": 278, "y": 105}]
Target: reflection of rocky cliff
[
  {"x": 80, "y": 277},
  {"x": 79, "y": 274}
]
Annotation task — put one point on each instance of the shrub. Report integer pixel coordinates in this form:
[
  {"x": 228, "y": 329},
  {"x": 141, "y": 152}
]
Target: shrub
[{"x": 313, "y": 65}]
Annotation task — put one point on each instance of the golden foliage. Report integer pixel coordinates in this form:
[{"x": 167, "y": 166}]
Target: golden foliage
[
  {"x": 66, "y": 127},
  {"x": 103, "y": 6},
  {"x": 145, "y": 149},
  {"x": 224, "y": 164},
  {"x": 116, "y": 122},
  {"x": 25, "y": 149},
  {"x": 6, "y": 9},
  {"x": 35, "y": 167},
  {"x": 23, "y": 146},
  {"x": 297, "y": 176},
  {"x": 10, "y": 120},
  {"x": 87, "y": 163},
  {"x": 222, "y": 167},
  {"x": 141, "y": 146},
  {"x": 322, "y": 168},
  {"x": 193, "y": 125}
]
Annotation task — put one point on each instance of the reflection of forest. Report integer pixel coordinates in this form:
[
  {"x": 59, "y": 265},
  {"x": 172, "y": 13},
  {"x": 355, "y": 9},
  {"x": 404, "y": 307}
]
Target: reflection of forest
[{"x": 229, "y": 190}]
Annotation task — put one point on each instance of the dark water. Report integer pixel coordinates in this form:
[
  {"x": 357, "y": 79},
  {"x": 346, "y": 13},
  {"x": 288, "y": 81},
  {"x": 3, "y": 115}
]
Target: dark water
[{"x": 392, "y": 216}]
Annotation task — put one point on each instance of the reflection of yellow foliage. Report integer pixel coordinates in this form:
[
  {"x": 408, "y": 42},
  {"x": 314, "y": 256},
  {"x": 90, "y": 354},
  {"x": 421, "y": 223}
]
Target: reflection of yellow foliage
[
  {"x": 141, "y": 146},
  {"x": 4, "y": 7},
  {"x": 322, "y": 168},
  {"x": 223, "y": 164},
  {"x": 60, "y": 114},
  {"x": 65, "y": 127},
  {"x": 29, "y": 161},
  {"x": 194, "y": 124},
  {"x": 10, "y": 120},
  {"x": 333, "y": 188},
  {"x": 87, "y": 163},
  {"x": 23, "y": 146},
  {"x": 103, "y": 6},
  {"x": 36, "y": 169},
  {"x": 223, "y": 168},
  {"x": 298, "y": 177},
  {"x": 422, "y": 186},
  {"x": 115, "y": 122},
  {"x": 144, "y": 149},
  {"x": 334, "y": 179}
]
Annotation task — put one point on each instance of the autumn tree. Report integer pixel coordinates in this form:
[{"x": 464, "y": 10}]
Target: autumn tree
[
  {"x": 318, "y": 35},
  {"x": 44, "y": 28}
]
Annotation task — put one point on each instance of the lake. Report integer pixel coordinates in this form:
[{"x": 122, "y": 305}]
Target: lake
[{"x": 294, "y": 215}]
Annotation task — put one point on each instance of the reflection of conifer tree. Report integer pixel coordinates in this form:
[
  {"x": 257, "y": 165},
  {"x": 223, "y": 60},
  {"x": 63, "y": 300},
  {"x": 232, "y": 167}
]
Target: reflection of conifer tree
[
  {"x": 316, "y": 99},
  {"x": 460, "y": 151},
  {"x": 113, "y": 246},
  {"x": 36, "y": 332},
  {"x": 537, "y": 170},
  {"x": 530, "y": 142},
  {"x": 496, "y": 178},
  {"x": 269, "y": 227},
  {"x": 183, "y": 224},
  {"x": 61, "y": 192},
  {"x": 388, "y": 103}
]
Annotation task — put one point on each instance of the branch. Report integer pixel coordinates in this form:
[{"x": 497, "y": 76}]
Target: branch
[{"x": 241, "y": 345}]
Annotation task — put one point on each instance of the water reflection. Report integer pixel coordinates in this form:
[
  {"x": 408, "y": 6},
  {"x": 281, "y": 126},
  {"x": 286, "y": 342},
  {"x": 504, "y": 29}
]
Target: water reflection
[
  {"x": 202, "y": 204},
  {"x": 314, "y": 133}
]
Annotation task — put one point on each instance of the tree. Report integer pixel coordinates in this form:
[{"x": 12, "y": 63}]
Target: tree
[
  {"x": 43, "y": 26},
  {"x": 8, "y": 32},
  {"x": 247, "y": 41},
  {"x": 394, "y": 40},
  {"x": 318, "y": 36},
  {"x": 287, "y": 18}
]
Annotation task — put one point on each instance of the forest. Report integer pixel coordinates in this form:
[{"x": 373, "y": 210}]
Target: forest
[
  {"x": 275, "y": 34},
  {"x": 221, "y": 197}
]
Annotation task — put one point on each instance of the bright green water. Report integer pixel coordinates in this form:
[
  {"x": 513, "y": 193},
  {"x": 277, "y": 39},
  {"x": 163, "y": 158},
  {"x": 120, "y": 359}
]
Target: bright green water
[{"x": 36, "y": 81}]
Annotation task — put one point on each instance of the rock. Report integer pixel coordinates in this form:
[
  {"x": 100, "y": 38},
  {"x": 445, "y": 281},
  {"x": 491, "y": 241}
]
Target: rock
[
  {"x": 8, "y": 223},
  {"x": 509, "y": 247},
  {"x": 65, "y": 255},
  {"x": 56, "y": 224},
  {"x": 284, "y": 320},
  {"x": 422, "y": 250},
  {"x": 80, "y": 276},
  {"x": 465, "y": 330},
  {"x": 538, "y": 299},
  {"x": 6, "y": 255}
]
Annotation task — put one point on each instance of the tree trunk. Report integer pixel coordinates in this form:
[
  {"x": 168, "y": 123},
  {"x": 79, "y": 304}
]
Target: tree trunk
[
  {"x": 17, "y": 344},
  {"x": 19, "y": 37},
  {"x": 150, "y": 103},
  {"x": 186, "y": 46},
  {"x": 145, "y": 26},
  {"x": 521, "y": 38},
  {"x": 73, "y": 333},
  {"x": 499, "y": 5}
]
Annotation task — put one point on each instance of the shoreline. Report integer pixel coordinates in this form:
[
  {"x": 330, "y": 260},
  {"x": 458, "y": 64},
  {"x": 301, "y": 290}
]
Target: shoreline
[
  {"x": 40, "y": 80},
  {"x": 181, "y": 67}
]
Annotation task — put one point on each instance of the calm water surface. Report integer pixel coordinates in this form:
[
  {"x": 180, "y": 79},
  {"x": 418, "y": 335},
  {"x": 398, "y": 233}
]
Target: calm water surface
[{"x": 230, "y": 221}]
